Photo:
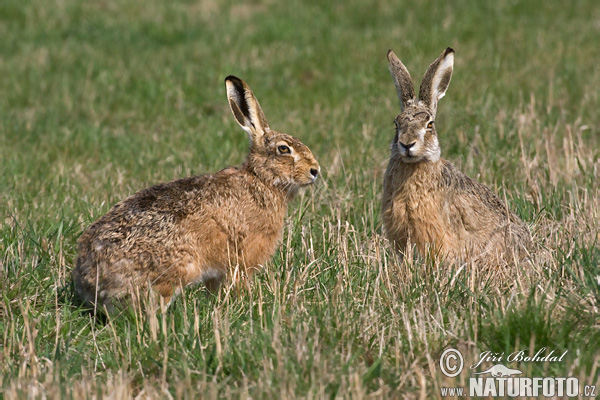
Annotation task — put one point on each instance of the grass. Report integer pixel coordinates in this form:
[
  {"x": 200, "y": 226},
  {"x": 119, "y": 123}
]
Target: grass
[{"x": 101, "y": 99}]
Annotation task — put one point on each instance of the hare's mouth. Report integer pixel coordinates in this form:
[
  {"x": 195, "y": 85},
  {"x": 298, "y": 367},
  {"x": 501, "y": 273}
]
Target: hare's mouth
[
  {"x": 305, "y": 180},
  {"x": 304, "y": 184},
  {"x": 407, "y": 158}
]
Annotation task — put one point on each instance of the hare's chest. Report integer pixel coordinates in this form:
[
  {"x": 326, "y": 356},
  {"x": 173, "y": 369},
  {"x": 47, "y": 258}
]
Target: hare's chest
[
  {"x": 261, "y": 237},
  {"x": 417, "y": 210}
]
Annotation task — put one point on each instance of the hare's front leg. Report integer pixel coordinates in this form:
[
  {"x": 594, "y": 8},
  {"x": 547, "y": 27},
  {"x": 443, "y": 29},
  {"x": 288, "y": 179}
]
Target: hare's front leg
[{"x": 212, "y": 279}]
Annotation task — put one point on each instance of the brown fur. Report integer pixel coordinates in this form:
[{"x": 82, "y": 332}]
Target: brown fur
[
  {"x": 429, "y": 202},
  {"x": 197, "y": 229}
]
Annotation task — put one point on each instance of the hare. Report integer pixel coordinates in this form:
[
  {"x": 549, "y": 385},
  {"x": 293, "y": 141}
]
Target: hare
[
  {"x": 196, "y": 229},
  {"x": 426, "y": 200}
]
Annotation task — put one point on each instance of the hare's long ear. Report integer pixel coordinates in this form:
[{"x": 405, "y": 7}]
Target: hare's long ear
[
  {"x": 436, "y": 79},
  {"x": 245, "y": 108},
  {"x": 401, "y": 78}
]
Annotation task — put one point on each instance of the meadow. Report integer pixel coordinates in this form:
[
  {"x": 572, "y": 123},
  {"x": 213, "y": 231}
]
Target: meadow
[{"x": 101, "y": 99}]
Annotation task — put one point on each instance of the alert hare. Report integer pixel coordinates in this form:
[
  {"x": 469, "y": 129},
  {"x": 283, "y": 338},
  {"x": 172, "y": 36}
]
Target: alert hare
[
  {"x": 197, "y": 229},
  {"x": 427, "y": 201}
]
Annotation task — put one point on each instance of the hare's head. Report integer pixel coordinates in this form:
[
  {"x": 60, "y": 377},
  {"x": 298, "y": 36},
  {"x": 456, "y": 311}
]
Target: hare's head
[
  {"x": 275, "y": 157},
  {"x": 416, "y": 137}
]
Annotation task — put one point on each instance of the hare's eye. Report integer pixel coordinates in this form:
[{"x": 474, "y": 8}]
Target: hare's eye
[
  {"x": 283, "y": 149},
  {"x": 430, "y": 125}
]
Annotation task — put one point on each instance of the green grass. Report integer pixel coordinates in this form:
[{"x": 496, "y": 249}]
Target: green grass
[{"x": 101, "y": 99}]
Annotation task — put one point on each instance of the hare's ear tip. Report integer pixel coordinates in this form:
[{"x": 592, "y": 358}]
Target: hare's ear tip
[
  {"x": 233, "y": 79},
  {"x": 233, "y": 83},
  {"x": 389, "y": 51},
  {"x": 449, "y": 50}
]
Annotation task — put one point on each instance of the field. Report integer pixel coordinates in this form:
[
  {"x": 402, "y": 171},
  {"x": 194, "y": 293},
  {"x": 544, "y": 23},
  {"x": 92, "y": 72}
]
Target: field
[{"x": 100, "y": 99}]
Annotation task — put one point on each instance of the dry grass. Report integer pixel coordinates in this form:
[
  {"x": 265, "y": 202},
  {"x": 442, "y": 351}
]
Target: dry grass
[{"x": 101, "y": 100}]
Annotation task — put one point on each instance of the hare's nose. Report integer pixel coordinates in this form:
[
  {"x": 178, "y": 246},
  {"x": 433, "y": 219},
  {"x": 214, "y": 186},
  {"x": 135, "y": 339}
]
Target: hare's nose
[
  {"x": 314, "y": 172},
  {"x": 407, "y": 146}
]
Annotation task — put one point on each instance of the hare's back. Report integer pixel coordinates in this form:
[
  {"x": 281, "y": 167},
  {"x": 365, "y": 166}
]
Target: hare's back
[
  {"x": 475, "y": 207},
  {"x": 152, "y": 211},
  {"x": 160, "y": 215},
  {"x": 469, "y": 193}
]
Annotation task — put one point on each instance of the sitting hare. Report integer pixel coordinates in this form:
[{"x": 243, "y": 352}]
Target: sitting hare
[
  {"x": 427, "y": 201},
  {"x": 197, "y": 229}
]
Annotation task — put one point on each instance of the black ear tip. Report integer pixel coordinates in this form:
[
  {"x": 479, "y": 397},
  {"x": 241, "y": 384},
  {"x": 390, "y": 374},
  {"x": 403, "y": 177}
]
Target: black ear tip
[
  {"x": 449, "y": 50},
  {"x": 391, "y": 56},
  {"x": 237, "y": 83},
  {"x": 233, "y": 79}
]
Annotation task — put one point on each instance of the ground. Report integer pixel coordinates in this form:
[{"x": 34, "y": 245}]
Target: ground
[{"x": 101, "y": 99}]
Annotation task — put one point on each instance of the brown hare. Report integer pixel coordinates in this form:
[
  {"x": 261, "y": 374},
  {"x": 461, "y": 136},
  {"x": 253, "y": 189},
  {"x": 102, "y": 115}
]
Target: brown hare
[
  {"x": 197, "y": 229},
  {"x": 426, "y": 200}
]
